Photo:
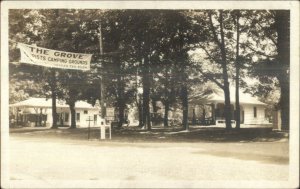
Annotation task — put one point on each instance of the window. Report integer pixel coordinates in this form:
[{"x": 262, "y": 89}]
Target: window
[
  {"x": 66, "y": 117},
  {"x": 85, "y": 112},
  {"x": 255, "y": 112},
  {"x": 77, "y": 116},
  {"x": 95, "y": 117}
]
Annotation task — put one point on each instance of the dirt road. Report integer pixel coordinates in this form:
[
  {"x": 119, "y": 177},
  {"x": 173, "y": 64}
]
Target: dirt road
[{"x": 115, "y": 162}]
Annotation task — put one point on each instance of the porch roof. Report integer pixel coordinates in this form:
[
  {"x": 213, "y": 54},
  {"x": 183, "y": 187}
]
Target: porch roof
[
  {"x": 243, "y": 97},
  {"x": 218, "y": 97},
  {"x": 47, "y": 103}
]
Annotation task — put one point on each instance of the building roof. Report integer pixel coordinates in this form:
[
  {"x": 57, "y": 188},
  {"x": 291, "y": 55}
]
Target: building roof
[
  {"x": 218, "y": 97},
  {"x": 47, "y": 103}
]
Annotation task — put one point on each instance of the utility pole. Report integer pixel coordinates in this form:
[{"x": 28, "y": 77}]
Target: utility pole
[{"x": 102, "y": 103}]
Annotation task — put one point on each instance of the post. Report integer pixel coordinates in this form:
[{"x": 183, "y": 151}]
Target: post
[
  {"x": 89, "y": 120},
  {"x": 102, "y": 134},
  {"x": 89, "y": 129},
  {"x": 100, "y": 39},
  {"x": 41, "y": 118},
  {"x": 102, "y": 103}
]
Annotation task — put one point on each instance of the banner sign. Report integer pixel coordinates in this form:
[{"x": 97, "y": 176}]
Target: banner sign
[{"x": 52, "y": 58}]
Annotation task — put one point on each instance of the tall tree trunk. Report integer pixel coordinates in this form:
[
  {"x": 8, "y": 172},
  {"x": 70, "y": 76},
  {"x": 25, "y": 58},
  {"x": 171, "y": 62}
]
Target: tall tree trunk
[
  {"x": 185, "y": 107},
  {"x": 237, "y": 74},
  {"x": 73, "y": 115},
  {"x": 184, "y": 89},
  {"x": 227, "y": 108},
  {"x": 284, "y": 103},
  {"x": 282, "y": 23},
  {"x": 53, "y": 85},
  {"x": 166, "y": 116},
  {"x": 121, "y": 114},
  {"x": 203, "y": 116},
  {"x": 146, "y": 94},
  {"x": 154, "y": 105},
  {"x": 120, "y": 94},
  {"x": 225, "y": 87},
  {"x": 167, "y": 98},
  {"x": 154, "y": 108},
  {"x": 139, "y": 101},
  {"x": 237, "y": 104},
  {"x": 53, "y": 97},
  {"x": 225, "y": 76},
  {"x": 140, "y": 113}
]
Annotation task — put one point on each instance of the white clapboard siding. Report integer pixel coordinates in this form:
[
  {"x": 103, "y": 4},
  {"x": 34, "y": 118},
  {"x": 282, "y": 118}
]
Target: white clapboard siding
[
  {"x": 249, "y": 114},
  {"x": 84, "y": 117}
]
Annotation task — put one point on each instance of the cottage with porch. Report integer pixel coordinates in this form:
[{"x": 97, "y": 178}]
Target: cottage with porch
[
  {"x": 37, "y": 112},
  {"x": 210, "y": 111}
]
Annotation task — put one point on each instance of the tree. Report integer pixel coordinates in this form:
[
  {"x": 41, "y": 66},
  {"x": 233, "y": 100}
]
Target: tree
[
  {"x": 73, "y": 85},
  {"x": 23, "y": 81},
  {"x": 270, "y": 43},
  {"x": 174, "y": 39},
  {"x": 66, "y": 37},
  {"x": 55, "y": 29},
  {"x": 28, "y": 26},
  {"x": 216, "y": 47},
  {"x": 282, "y": 25},
  {"x": 237, "y": 69}
]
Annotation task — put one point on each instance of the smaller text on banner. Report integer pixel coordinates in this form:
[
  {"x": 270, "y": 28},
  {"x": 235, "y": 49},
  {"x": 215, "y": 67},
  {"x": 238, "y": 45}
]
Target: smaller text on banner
[{"x": 52, "y": 58}]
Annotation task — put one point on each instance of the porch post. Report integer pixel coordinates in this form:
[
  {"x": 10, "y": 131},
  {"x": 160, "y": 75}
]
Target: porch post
[
  {"x": 41, "y": 117},
  {"x": 213, "y": 113},
  {"x": 17, "y": 116},
  {"x": 70, "y": 117},
  {"x": 36, "y": 116},
  {"x": 45, "y": 117}
]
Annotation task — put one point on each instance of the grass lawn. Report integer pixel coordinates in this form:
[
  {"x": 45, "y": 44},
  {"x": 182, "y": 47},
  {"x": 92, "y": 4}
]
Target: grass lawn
[{"x": 172, "y": 134}]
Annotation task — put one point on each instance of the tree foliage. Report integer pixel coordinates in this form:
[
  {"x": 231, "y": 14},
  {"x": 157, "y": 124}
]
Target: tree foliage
[{"x": 165, "y": 52}]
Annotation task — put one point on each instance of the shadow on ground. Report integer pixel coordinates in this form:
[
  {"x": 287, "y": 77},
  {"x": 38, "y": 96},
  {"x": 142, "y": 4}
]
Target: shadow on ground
[
  {"x": 174, "y": 134},
  {"x": 264, "y": 158}
]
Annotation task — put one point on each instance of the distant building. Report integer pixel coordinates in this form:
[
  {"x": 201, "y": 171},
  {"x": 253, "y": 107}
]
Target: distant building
[
  {"x": 38, "y": 112},
  {"x": 210, "y": 110}
]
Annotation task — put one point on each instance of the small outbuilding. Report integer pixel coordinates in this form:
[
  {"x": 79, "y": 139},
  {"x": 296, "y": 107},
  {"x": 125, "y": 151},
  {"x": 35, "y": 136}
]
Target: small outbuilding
[{"x": 37, "y": 112}]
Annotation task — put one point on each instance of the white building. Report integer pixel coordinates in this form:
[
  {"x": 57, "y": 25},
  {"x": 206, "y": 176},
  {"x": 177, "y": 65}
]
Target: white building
[
  {"x": 252, "y": 111},
  {"x": 38, "y": 112}
]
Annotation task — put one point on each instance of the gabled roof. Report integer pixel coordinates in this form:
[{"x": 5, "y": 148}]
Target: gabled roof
[
  {"x": 218, "y": 97},
  {"x": 47, "y": 103},
  {"x": 244, "y": 98}
]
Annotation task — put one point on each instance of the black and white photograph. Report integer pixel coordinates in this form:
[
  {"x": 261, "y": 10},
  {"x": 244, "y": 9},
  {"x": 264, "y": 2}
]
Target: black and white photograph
[{"x": 150, "y": 94}]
